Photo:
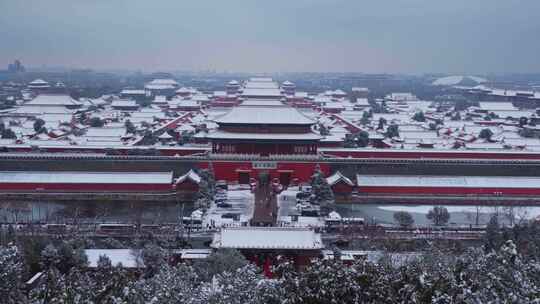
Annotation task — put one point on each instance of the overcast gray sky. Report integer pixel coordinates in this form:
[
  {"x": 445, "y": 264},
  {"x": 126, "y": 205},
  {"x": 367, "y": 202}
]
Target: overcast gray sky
[{"x": 408, "y": 36}]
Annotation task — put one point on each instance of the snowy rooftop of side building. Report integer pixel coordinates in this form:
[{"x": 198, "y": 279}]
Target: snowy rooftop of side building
[
  {"x": 447, "y": 181},
  {"x": 129, "y": 258},
  {"x": 264, "y": 115},
  {"x": 336, "y": 177},
  {"x": 190, "y": 175},
  {"x": 105, "y": 132},
  {"x": 497, "y": 106},
  {"x": 72, "y": 177},
  {"x": 401, "y": 96},
  {"x": 133, "y": 92},
  {"x": 124, "y": 103},
  {"x": 267, "y": 238},
  {"x": 160, "y": 99}
]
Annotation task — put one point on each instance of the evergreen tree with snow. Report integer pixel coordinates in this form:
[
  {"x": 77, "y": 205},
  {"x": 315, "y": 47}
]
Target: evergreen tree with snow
[
  {"x": 222, "y": 260},
  {"x": 12, "y": 270},
  {"x": 324, "y": 195}
]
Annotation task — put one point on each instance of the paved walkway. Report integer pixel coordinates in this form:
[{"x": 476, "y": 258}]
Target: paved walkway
[{"x": 265, "y": 207}]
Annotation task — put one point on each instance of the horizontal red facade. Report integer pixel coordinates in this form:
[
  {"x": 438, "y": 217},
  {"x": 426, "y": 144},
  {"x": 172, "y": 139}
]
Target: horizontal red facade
[
  {"x": 78, "y": 187},
  {"x": 448, "y": 190},
  {"x": 389, "y": 154},
  {"x": 229, "y": 171}
]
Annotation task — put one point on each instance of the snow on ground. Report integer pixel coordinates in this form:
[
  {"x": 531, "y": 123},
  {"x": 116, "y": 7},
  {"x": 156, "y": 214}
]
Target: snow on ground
[
  {"x": 242, "y": 203},
  {"x": 287, "y": 206},
  {"x": 286, "y": 202},
  {"x": 459, "y": 215},
  {"x": 526, "y": 212}
]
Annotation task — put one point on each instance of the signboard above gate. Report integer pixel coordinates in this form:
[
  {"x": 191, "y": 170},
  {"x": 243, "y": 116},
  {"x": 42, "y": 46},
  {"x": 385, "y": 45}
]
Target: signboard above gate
[{"x": 262, "y": 165}]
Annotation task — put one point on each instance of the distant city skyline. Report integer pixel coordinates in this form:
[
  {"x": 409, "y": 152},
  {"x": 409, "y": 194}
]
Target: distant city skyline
[{"x": 398, "y": 36}]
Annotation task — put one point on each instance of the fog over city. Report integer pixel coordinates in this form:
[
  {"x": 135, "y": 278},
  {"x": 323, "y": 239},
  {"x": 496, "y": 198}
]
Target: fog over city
[{"x": 398, "y": 36}]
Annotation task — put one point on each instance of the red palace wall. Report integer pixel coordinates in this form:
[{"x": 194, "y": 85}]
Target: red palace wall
[
  {"x": 381, "y": 153},
  {"x": 448, "y": 190},
  {"x": 75, "y": 187},
  {"x": 229, "y": 171}
]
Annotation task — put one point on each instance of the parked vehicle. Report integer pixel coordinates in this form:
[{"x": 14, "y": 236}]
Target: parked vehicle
[
  {"x": 221, "y": 184},
  {"x": 223, "y": 205}
]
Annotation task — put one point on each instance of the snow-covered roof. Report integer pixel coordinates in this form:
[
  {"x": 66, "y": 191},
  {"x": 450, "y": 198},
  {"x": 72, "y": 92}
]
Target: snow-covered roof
[
  {"x": 105, "y": 132},
  {"x": 160, "y": 99},
  {"x": 194, "y": 254},
  {"x": 334, "y": 216},
  {"x": 267, "y": 238},
  {"x": 124, "y": 103},
  {"x": 133, "y": 92},
  {"x": 38, "y": 81},
  {"x": 262, "y": 103},
  {"x": 456, "y": 80},
  {"x": 497, "y": 106},
  {"x": 334, "y": 105},
  {"x": 218, "y": 134},
  {"x": 401, "y": 96},
  {"x": 185, "y": 127},
  {"x": 159, "y": 87},
  {"x": 53, "y": 100},
  {"x": 261, "y": 92},
  {"x": 447, "y": 181},
  {"x": 80, "y": 177},
  {"x": 336, "y": 177},
  {"x": 165, "y": 135},
  {"x": 163, "y": 81},
  {"x": 264, "y": 115},
  {"x": 38, "y": 110},
  {"x": 129, "y": 258},
  {"x": 190, "y": 175}
]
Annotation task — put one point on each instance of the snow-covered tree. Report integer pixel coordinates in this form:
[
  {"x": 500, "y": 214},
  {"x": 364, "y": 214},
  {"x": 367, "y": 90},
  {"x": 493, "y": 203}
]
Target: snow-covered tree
[
  {"x": 321, "y": 189},
  {"x": 153, "y": 257},
  {"x": 207, "y": 188},
  {"x": 169, "y": 285},
  {"x": 403, "y": 218},
  {"x": 419, "y": 116},
  {"x": 392, "y": 131},
  {"x": 219, "y": 261},
  {"x": 50, "y": 257},
  {"x": 438, "y": 215},
  {"x": 12, "y": 271},
  {"x": 241, "y": 286}
]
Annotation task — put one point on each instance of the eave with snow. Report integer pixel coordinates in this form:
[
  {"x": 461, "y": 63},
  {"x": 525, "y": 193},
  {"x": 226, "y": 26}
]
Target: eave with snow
[
  {"x": 267, "y": 238},
  {"x": 188, "y": 182}
]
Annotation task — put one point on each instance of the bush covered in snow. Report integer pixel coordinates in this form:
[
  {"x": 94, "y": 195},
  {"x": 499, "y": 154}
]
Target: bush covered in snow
[{"x": 505, "y": 270}]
